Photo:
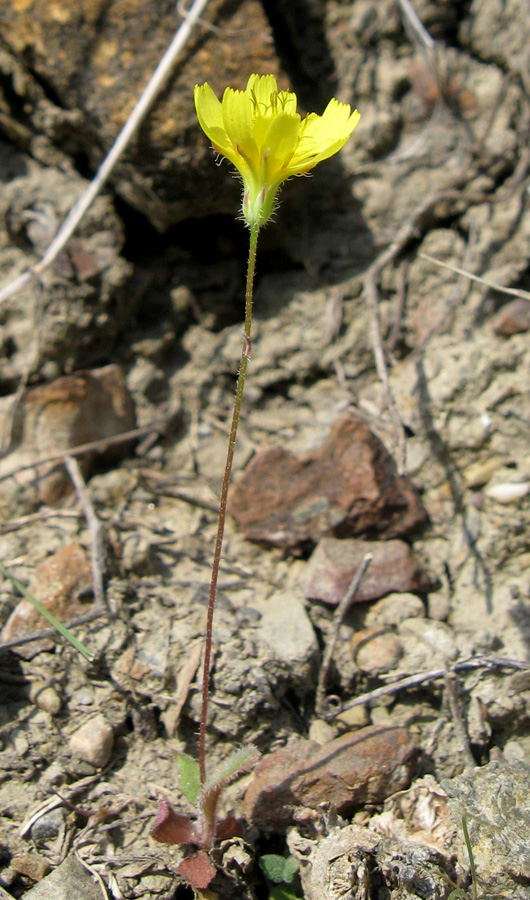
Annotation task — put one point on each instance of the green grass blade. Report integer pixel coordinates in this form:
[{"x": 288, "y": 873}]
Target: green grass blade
[{"x": 48, "y": 615}]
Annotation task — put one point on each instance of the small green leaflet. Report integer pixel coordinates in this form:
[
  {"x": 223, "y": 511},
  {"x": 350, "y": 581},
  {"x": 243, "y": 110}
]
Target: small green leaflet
[{"x": 189, "y": 778}]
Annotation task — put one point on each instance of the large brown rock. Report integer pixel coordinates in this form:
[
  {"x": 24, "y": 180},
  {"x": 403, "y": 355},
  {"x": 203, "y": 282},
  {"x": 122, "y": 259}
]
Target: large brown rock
[
  {"x": 349, "y": 486},
  {"x": 365, "y": 766}
]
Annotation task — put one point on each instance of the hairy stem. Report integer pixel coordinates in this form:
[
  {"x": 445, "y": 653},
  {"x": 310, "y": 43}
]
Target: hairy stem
[{"x": 245, "y": 356}]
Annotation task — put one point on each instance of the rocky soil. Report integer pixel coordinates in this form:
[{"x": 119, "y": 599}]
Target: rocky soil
[{"x": 380, "y": 733}]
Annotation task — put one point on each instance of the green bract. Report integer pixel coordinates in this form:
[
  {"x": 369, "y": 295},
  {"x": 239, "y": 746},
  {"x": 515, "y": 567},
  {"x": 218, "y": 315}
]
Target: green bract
[{"x": 261, "y": 133}]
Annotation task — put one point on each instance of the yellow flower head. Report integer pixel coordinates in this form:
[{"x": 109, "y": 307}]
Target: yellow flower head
[{"x": 261, "y": 133}]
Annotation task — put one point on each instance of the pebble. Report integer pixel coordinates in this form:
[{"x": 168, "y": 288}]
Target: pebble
[
  {"x": 393, "y": 609},
  {"x": 93, "y": 742},
  {"x": 33, "y": 865},
  {"x": 479, "y": 473},
  {"x": 378, "y": 653},
  {"x": 48, "y": 827},
  {"x": 333, "y": 564},
  {"x": 321, "y": 732},
  {"x": 432, "y": 641},
  {"x": 439, "y": 607},
  {"x": 348, "y": 486},
  {"x": 137, "y": 555},
  {"x": 509, "y": 492},
  {"x": 513, "y": 318},
  {"x": 46, "y": 698},
  {"x": 356, "y": 717}
]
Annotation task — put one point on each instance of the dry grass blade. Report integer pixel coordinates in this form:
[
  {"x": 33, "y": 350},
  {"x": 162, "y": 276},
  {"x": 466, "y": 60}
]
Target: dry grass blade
[{"x": 512, "y": 292}]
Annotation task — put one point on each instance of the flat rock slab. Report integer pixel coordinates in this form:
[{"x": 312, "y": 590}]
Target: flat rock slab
[
  {"x": 69, "y": 881},
  {"x": 495, "y": 800},
  {"x": 362, "y": 767},
  {"x": 334, "y": 563},
  {"x": 348, "y": 487}
]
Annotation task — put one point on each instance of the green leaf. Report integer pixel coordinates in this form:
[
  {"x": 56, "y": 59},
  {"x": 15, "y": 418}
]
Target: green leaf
[
  {"x": 48, "y": 615},
  {"x": 189, "y": 777},
  {"x": 279, "y": 868},
  {"x": 236, "y": 763},
  {"x": 282, "y": 893},
  {"x": 290, "y": 869}
]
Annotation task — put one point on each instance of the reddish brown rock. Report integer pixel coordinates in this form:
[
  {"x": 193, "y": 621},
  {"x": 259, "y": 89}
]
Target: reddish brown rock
[
  {"x": 349, "y": 486},
  {"x": 362, "y": 767},
  {"x": 69, "y": 412},
  {"x": 61, "y": 584},
  {"x": 513, "y": 318},
  {"x": 334, "y": 563}
]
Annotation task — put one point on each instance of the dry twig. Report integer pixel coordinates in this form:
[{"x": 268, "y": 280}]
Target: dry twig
[
  {"x": 81, "y": 449},
  {"x": 95, "y": 531},
  {"x": 336, "y": 622},
  {"x": 412, "y": 681}
]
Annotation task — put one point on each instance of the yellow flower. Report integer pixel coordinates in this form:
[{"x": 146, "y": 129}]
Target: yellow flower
[{"x": 261, "y": 133}]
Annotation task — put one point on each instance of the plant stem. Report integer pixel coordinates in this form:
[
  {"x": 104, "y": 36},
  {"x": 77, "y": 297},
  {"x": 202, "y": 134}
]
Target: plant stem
[{"x": 245, "y": 356}]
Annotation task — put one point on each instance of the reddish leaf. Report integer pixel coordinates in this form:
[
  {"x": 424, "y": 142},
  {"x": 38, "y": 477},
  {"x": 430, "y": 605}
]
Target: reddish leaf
[
  {"x": 171, "y": 828},
  {"x": 229, "y": 828},
  {"x": 198, "y": 870}
]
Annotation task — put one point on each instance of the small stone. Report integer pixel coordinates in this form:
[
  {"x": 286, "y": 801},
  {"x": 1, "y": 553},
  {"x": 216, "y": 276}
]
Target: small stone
[
  {"x": 46, "y": 698},
  {"x": 426, "y": 644},
  {"x": 48, "y": 827},
  {"x": 137, "y": 555},
  {"x": 393, "y": 609},
  {"x": 331, "y": 569},
  {"x": 439, "y": 607},
  {"x": 479, "y": 473},
  {"x": 321, "y": 732},
  {"x": 286, "y": 628},
  {"x": 514, "y": 318},
  {"x": 69, "y": 412},
  {"x": 32, "y": 865},
  {"x": 356, "y": 717},
  {"x": 509, "y": 492},
  {"x": 376, "y": 654},
  {"x": 93, "y": 742}
]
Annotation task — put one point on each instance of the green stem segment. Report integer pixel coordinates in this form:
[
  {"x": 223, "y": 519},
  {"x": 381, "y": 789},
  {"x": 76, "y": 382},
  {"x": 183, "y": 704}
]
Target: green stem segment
[{"x": 245, "y": 356}]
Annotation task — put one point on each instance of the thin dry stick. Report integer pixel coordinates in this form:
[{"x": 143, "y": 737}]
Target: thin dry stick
[
  {"x": 475, "y": 662},
  {"x": 513, "y": 292},
  {"x": 139, "y": 112},
  {"x": 85, "y": 448},
  {"x": 95, "y": 531},
  {"x": 336, "y": 622},
  {"x": 456, "y": 297}
]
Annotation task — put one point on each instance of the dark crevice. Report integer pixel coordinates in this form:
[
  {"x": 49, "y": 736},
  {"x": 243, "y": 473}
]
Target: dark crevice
[{"x": 303, "y": 50}]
